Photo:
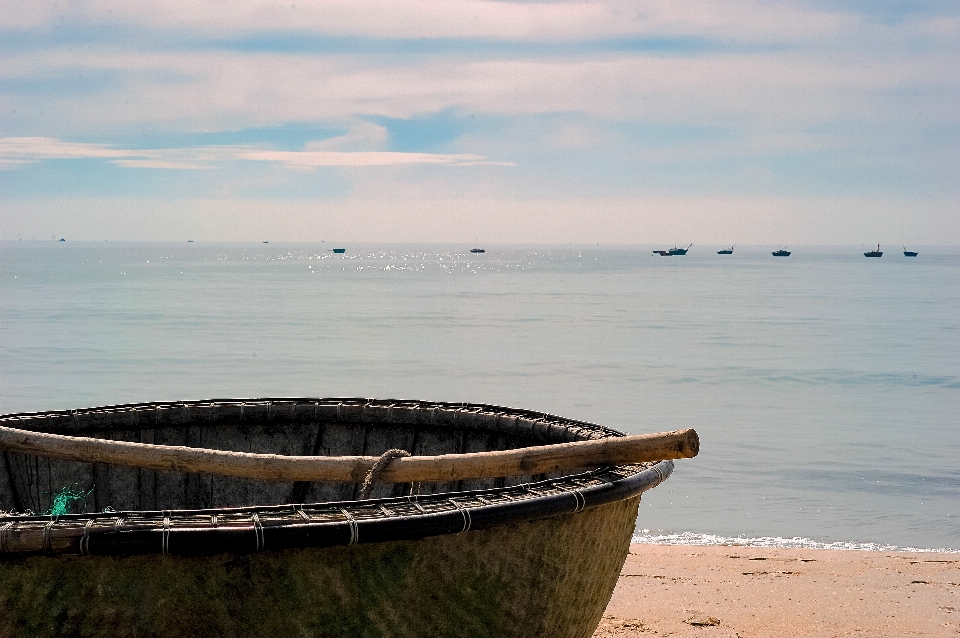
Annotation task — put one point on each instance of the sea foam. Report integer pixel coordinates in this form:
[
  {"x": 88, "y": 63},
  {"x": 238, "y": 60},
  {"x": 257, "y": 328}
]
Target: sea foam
[{"x": 659, "y": 537}]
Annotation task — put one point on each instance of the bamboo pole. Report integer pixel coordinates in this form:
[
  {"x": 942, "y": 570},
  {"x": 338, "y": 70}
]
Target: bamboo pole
[{"x": 272, "y": 467}]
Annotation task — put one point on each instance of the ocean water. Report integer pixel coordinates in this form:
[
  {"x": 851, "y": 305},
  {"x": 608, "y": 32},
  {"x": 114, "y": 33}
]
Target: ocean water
[{"x": 825, "y": 386}]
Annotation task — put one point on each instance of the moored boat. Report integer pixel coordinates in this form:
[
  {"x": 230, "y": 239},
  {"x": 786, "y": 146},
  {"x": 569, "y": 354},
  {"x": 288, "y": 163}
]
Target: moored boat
[
  {"x": 242, "y": 548},
  {"x": 909, "y": 253},
  {"x": 673, "y": 251},
  {"x": 781, "y": 253},
  {"x": 339, "y": 251},
  {"x": 873, "y": 253},
  {"x": 726, "y": 251}
]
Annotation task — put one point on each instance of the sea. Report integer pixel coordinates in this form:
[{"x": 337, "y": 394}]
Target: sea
[{"x": 825, "y": 386}]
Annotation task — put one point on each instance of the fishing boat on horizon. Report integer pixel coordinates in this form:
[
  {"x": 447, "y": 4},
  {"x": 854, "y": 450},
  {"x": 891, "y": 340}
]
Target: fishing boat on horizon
[
  {"x": 909, "y": 253},
  {"x": 781, "y": 253},
  {"x": 378, "y": 524},
  {"x": 338, "y": 251},
  {"x": 726, "y": 251},
  {"x": 476, "y": 250},
  {"x": 673, "y": 251},
  {"x": 873, "y": 253}
]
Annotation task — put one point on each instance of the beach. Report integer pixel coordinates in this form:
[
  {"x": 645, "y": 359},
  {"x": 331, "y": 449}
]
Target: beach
[{"x": 685, "y": 590}]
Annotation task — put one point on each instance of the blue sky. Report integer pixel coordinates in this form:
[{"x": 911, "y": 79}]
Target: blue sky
[{"x": 613, "y": 122}]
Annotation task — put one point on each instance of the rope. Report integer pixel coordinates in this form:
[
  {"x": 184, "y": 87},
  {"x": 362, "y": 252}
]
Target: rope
[{"x": 380, "y": 464}]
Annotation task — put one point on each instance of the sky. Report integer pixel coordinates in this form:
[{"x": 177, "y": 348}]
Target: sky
[{"x": 725, "y": 122}]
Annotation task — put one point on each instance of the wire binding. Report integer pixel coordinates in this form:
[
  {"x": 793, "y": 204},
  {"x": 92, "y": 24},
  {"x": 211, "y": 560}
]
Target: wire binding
[
  {"x": 46, "y": 536},
  {"x": 3, "y": 537},
  {"x": 85, "y": 541},
  {"x": 354, "y": 528},
  {"x": 165, "y": 536},
  {"x": 466, "y": 516},
  {"x": 258, "y": 531}
]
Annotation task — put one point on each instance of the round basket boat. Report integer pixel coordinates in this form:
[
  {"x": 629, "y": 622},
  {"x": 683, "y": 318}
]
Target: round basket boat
[{"x": 175, "y": 553}]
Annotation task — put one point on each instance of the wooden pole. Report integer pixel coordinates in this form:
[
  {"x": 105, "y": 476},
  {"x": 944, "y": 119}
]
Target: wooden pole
[{"x": 678, "y": 444}]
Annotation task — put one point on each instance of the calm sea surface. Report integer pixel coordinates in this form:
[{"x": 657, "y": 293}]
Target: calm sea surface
[{"x": 825, "y": 386}]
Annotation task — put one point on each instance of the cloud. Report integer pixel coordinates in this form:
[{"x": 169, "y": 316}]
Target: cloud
[
  {"x": 312, "y": 159},
  {"x": 156, "y": 163},
  {"x": 591, "y": 99},
  {"x": 18, "y": 151},
  {"x": 577, "y": 20},
  {"x": 361, "y": 136},
  {"x": 219, "y": 90}
]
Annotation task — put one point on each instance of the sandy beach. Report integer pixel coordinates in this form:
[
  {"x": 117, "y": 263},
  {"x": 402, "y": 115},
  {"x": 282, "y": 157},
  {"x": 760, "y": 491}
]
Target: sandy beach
[{"x": 683, "y": 590}]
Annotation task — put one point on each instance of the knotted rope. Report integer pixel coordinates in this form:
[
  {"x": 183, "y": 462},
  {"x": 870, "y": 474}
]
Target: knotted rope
[{"x": 378, "y": 467}]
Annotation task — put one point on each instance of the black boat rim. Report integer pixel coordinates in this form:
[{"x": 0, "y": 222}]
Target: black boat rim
[{"x": 289, "y": 526}]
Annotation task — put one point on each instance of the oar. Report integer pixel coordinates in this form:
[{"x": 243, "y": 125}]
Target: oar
[{"x": 272, "y": 467}]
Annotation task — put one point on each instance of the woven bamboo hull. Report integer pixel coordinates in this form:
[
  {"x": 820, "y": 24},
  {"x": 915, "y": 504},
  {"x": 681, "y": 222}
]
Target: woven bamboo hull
[
  {"x": 191, "y": 555},
  {"x": 549, "y": 577}
]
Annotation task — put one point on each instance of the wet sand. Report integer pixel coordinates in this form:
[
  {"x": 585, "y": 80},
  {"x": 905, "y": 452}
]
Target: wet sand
[{"x": 683, "y": 590}]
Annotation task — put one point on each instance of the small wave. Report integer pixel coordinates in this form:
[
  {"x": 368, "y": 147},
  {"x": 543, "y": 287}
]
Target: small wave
[{"x": 655, "y": 537}]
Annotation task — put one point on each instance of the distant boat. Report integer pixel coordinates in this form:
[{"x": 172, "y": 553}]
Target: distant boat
[
  {"x": 781, "y": 253},
  {"x": 726, "y": 251},
  {"x": 266, "y": 242},
  {"x": 673, "y": 251},
  {"x": 189, "y": 241},
  {"x": 477, "y": 250},
  {"x": 339, "y": 251},
  {"x": 62, "y": 239},
  {"x": 909, "y": 253},
  {"x": 874, "y": 253}
]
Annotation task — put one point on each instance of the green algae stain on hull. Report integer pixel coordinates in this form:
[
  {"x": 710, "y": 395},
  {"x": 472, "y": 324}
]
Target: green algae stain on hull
[{"x": 551, "y": 577}]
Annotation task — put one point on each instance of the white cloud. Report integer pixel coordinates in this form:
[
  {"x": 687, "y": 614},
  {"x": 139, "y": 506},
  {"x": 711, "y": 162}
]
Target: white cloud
[
  {"x": 310, "y": 159},
  {"x": 224, "y": 90},
  {"x": 576, "y": 20},
  {"x": 17, "y": 151},
  {"x": 362, "y": 136},
  {"x": 162, "y": 164}
]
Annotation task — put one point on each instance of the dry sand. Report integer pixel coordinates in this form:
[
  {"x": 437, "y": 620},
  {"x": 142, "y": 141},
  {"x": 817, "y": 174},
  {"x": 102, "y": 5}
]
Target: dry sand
[{"x": 683, "y": 590}]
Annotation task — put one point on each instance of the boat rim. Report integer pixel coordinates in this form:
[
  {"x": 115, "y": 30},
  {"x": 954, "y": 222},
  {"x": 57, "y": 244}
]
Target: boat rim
[{"x": 290, "y": 526}]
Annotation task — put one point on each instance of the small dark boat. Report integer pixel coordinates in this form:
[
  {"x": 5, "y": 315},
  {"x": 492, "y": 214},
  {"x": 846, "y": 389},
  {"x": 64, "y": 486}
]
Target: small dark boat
[
  {"x": 477, "y": 250},
  {"x": 909, "y": 253},
  {"x": 874, "y": 253},
  {"x": 726, "y": 251},
  {"x": 673, "y": 251},
  {"x": 781, "y": 253},
  {"x": 266, "y": 242},
  {"x": 62, "y": 239},
  {"x": 339, "y": 251},
  {"x": 175, "y": 535},
  {"x": 189, "y": 241}
]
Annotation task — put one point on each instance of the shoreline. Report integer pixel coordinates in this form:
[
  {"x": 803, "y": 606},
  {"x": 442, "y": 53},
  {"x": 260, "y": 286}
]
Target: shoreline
[
  {"x": 697, "y": 539},
  {"x": 737, "y": 590}
]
